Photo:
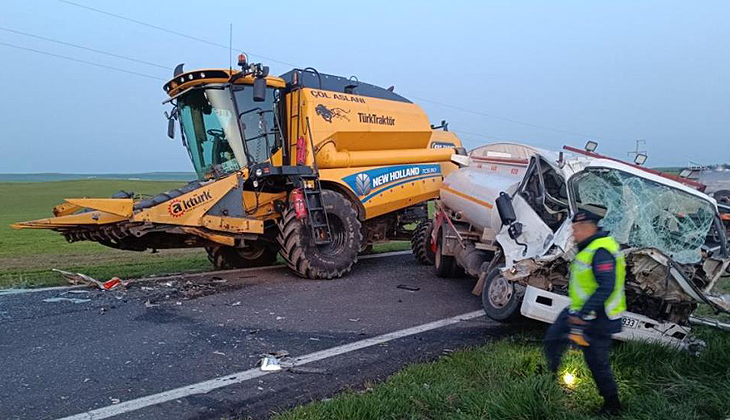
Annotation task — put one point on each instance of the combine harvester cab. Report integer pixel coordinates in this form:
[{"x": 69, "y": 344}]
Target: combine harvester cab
[
  {"x": 504, "y": 218},
  {"x": 311, "y": 166}
]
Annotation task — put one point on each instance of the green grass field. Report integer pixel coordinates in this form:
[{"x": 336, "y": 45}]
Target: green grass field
[
  {"x": 508, "y": 379},
  {"x": 27, "y": 256}
]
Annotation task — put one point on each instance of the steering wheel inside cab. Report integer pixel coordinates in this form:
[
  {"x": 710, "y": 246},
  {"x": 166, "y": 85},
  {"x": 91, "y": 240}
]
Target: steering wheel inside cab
[{"x": 217, "y": 133}]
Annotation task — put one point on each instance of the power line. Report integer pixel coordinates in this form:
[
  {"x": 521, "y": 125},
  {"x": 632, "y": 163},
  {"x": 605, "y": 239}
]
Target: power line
[
  {"x": 160, "y": 28},
  {"x": 478, "y": 134},
  {"x": 496, "y": 117},
  {"x": 85, "y": 48},
  {"x": 80, "y": 61},
  {"x": 482, "y": 114}
]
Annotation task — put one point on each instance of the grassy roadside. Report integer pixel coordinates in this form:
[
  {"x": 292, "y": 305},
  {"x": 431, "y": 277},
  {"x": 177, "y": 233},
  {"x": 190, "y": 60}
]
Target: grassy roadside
[{"x": 507, "y": 379}]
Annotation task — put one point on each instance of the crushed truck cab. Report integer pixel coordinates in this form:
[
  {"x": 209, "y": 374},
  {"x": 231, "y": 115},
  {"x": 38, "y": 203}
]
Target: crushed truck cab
[{"x": 504, "y": 218}]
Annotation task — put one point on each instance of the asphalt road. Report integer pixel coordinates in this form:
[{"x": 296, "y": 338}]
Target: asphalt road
[{"x": 59, "y": 359}]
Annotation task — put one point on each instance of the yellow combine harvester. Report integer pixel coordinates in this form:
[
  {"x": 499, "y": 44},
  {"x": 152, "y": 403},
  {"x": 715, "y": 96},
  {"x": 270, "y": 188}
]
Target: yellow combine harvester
[{"x": 312, "y": 166}]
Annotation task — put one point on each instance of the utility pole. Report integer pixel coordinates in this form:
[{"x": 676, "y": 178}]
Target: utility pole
[{"x": 638, "y": 150}]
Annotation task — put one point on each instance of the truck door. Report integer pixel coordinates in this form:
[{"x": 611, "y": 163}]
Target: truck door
[{"x": 528, "y": 202}]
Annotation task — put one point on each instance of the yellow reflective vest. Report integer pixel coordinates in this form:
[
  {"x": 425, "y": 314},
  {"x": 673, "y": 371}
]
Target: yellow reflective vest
[{"x": 583, "y": 282}]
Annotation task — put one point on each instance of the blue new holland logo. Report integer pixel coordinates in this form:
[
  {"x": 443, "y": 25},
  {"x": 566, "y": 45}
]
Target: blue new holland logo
[{"x": 369, "y": 183}]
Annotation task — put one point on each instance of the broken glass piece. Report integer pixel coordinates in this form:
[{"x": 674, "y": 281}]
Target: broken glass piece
[{"x": 643, "y": 213}]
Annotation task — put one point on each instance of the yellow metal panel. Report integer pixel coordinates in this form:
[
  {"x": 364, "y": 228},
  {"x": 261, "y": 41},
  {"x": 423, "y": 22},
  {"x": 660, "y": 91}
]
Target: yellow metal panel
[
  {"x": 390, "y": 197},
  {"x": 187, "y": 209},
  {"x": 211, "y": 236},
  {"x": 233, "y": 224},
  {"x": 261, "y": 205},
  {"x": 118, "y": 206},
  {"x": 89, "y": 218},
  {"x": 64, "y": 209},
  {"x": 329, "y": 157}
]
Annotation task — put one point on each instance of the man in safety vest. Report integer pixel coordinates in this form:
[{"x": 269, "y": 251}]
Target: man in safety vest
[{"x": 597, "y": 300}]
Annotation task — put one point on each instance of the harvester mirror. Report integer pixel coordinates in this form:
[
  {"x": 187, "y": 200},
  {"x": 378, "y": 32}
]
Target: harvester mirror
[
  {"x": 171, "y": 128},
  {"x": 171, "y": 117},
  {"x": 259, "y": 89},
  {"x": 505, "y": 209},
  {"x": 640, "y": 159},
  {"x": 591, "y": 146}
]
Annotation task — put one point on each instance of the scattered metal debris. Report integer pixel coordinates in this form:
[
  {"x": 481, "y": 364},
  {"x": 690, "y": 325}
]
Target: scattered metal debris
[
  {"x": 81, "y": 278},
  {"x": 270, "y": 364},
  {"x": 407, "y": 287}
]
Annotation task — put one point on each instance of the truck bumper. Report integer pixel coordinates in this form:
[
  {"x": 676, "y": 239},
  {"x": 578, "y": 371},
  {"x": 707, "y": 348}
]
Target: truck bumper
[{"x": 545, "y": 306}]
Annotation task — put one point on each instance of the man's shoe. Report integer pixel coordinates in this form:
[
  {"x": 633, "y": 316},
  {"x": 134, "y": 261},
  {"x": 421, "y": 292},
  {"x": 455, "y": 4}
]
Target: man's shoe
[{"x": 611, "y": 407}]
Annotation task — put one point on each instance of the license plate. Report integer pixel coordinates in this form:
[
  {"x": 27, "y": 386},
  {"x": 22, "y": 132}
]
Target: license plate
[{"x": 630, "y": 322}]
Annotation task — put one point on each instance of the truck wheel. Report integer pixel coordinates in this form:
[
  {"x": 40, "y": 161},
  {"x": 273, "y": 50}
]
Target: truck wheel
[
  {"x": 322, "y": 261},
  {"x": 421, "y": 243},
  {"x": 500, "y": 299},
  {"x": 229, "y": 258},
  {"x": 445, "y": 264}
]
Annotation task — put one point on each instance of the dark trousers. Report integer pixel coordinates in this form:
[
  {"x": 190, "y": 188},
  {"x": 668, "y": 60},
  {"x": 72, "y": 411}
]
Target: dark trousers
[{"x": 596, "y": 355}]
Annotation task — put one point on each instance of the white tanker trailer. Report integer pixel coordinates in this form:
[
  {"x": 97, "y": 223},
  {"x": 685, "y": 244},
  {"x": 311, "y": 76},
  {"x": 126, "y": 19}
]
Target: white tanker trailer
[{"x": 504, "y": 218}]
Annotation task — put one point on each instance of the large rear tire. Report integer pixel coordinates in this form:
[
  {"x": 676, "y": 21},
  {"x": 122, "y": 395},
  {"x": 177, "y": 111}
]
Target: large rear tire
[
  {"x": 421, "y": 243},
  {"x": 500, "y": 299},
  {"x": 322, "y": 261},
  {"x": 229, "y": 258}
]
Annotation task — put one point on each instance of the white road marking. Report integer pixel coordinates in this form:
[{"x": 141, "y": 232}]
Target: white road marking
[
  {"x": 239, "y": 377},
  {"x": 384, "y": 254},
  {"x": 6, "y": 292}
]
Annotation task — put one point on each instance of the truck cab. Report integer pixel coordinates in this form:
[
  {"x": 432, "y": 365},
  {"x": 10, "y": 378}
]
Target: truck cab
[{"x": 504, "y": 218}]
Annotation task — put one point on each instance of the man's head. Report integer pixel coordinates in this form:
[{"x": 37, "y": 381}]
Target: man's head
[{"x": 585, "y": 225}]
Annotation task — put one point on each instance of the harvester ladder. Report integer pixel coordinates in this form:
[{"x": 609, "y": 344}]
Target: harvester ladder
[{"x": 318, "y": 221}]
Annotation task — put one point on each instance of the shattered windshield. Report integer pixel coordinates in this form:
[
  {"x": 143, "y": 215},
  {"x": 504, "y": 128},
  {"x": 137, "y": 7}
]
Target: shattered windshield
[
  {"x": 643, "y": 213},
  {"x": 212, "y": 137}
]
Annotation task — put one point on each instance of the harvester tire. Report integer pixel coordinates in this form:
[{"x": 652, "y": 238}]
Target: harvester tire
[
  {"x": 500, "y": 298},
  {"x": 421, "y": 243},
  {"x": 229, "y": 258},
  {"x": 445, "y": 264},
  {"x": 322, "y": 261}
]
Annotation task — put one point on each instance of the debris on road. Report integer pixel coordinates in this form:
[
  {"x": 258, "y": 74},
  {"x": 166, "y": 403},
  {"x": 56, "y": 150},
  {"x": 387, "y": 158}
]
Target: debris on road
[
  {"x": 80, "y": 278},
  {"x": 270, "y": 364},
  {"x": 112, "y": 283},
  {"x": 83, "y": 279},
  {"x": 354, "y": 319},
  {"x": 407, "y": 287}
]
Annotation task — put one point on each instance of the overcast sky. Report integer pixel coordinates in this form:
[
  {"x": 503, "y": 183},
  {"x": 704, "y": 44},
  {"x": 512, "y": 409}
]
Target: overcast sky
[{"x": 543, "y": 73}]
